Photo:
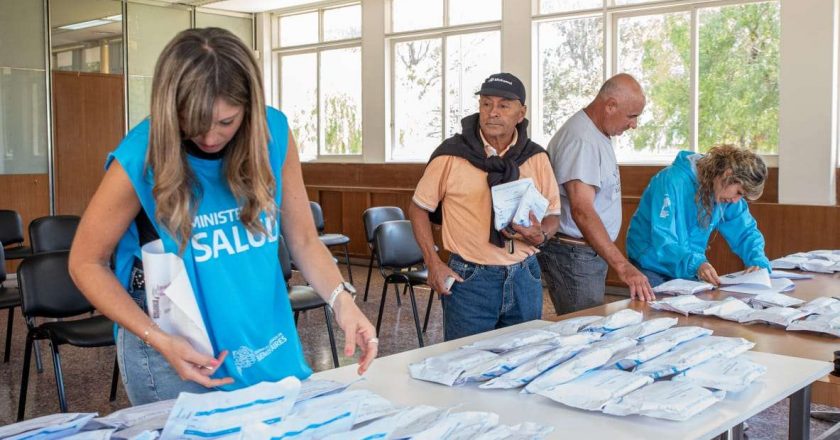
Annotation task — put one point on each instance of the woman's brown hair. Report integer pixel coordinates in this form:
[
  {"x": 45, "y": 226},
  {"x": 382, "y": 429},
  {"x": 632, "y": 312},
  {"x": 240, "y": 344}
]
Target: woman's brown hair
[
  {"x": 195, "y": 69},
  {"x": 747, "y": 168}
]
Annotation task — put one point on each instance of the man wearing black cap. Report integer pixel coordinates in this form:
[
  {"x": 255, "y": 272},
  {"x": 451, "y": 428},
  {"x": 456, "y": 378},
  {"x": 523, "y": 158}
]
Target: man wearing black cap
[{"x": 496, "y": 274}]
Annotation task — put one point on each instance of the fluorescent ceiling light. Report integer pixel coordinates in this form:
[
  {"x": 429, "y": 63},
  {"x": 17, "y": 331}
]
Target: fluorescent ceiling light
[
  {"x": 84, "y": 24},
  {"x": 257, "y": 5},
  {"x": 117, "y": 17}
]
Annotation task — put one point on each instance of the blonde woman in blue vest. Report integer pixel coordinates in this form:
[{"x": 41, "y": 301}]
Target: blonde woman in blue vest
[{"x": 214, "y": 174}]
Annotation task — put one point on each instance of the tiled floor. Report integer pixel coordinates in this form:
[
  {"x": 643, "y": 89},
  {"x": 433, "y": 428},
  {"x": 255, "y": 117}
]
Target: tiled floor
[{"x": 87, "y": 372}]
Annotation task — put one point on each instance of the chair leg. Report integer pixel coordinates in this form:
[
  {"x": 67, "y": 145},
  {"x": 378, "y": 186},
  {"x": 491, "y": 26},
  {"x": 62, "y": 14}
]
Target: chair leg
[
  {"x": 347, "y": 259},
  {"x": 328, "y": 317},
  {"x": 381, "y": 306},
  {"x": 297, "y": 314},
  {"x": 39, "y": 365},
  {"x": 428, "y": 310},
  {"x": 370, "y": 271},
  {"x": 24, "y": 379},
  {"x": 113, "y": 396},
  {"x": 8, "y": 348},
  {"x": 59, "y": 378},
  {"x": 414, "y": 312},
  {"x": 397, "y": 294}
]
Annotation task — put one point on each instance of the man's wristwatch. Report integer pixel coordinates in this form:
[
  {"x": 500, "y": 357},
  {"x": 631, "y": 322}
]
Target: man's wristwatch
[{"x": 344, "y": 286}]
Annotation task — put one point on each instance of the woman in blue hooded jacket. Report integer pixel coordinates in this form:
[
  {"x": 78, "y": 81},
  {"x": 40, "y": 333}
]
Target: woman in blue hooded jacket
[{"x": 684, "y": 203}]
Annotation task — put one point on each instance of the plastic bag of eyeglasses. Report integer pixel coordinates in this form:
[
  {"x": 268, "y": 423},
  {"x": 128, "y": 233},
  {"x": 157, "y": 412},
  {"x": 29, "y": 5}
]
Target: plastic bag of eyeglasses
[
  {"x": 593, "y": 357},
  {"x": 615, "y": 321},
  {"x": 781, "y": 316},
  {"x": 773, "y": 299},
  {"x": 521, "y": 431},
  {"x": 404, "y": 424},
  {"x": 655, "y": 345},
  {"x": 642, "y": 329},
  {"x": 594, "y": 389},
  {"x": 525, "y": 373},
  {"x": 680, "y": 286},
  {"x": 726, "y": 374},
  {"x": 572, "y": 325},
  {"x": 504, "y": 362},
  {"x": 730, "y": 309},
  {"x": 827, "y": 324},
  {"x": 509, "y": 341},
  {"x": 447, "y": 368},
  {"x": 824, "y": 305},
  {"x": 693, "y": 353},
  {"x": 684, "y": 304},
  {"x": 669, "y": 400},
  {"x": 322, "y": 417},
  {"x": 41, "y": 426}
]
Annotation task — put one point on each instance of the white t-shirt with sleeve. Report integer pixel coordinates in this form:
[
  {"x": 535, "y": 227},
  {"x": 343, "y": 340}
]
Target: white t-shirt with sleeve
[{"x": 579, "y": 151}]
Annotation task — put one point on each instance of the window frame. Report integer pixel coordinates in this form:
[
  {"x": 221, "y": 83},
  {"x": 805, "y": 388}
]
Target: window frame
[
  {"x": 317, "y": 48},
  {"x": 611, "y": 14},
  {"x": 441, "y": 33}
]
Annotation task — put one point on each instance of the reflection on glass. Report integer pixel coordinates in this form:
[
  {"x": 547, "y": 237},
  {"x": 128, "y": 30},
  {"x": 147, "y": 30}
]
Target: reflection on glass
[
  {"x": 470, "y": 58},
  {"x": 343, "y": 23},
  {"x": 417, "y": 99},
  {"x": 552, "y": 6},
  {"x": 23, "y": 142},
  {"x": 408, "y": 15},
  {"x": 299, "y": 100},
  {"x": 242, "y": 27},
  {"x": 86, "y": 35},
  {"x": 150, "y": 28},
  {"x": 341, "y": 101},
  {"x": 299, "y": 29},
  {"x": 570, "y": 70},
  {"x": 656, "y": 50},
  {"x": 739, "y": 76},
  {"x": 474, "y": 11}
]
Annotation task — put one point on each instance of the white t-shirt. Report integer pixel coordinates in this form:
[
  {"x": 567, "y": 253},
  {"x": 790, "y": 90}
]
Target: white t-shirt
[{"x": 579, "y": 151}]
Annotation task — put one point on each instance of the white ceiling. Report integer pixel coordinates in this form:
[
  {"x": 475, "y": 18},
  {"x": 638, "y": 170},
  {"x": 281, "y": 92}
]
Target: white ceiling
[{"x": 246, "y": 5}]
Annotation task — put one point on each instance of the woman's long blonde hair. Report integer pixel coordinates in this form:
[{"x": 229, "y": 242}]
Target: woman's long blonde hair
[
  {"x": 197, "y": 67},
  {"x": 748, "y": 169}
]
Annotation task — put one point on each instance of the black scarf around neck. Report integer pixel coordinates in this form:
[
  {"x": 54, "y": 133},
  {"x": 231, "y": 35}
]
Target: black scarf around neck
[{"x": 499, "y": 169}]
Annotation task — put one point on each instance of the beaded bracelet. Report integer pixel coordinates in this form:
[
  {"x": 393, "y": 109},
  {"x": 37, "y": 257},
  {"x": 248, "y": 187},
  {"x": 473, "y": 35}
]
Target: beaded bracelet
[{"x": 148, "y": 332}]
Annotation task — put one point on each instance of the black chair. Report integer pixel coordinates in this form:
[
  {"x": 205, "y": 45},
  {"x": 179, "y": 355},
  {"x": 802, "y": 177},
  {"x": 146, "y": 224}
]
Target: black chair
[
  {"x": 47, "y": 291},
  {"x": 9, "y": 299},
  {"x": 331, "y": 240},
  {"x": 304, "y": 298},
  {"x": 373, "y": 217},
  {"x": 11, "y": 235},
  {"x": 53, "y": 233},
  {"x": 398, "y": 253}
]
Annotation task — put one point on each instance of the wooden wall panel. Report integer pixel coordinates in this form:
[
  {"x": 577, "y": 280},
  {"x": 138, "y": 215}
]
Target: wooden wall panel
[
  {"x": 88, "y": 124},
  {"x": 29, "y": 195}
]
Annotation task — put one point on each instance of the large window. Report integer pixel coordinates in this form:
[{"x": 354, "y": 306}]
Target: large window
[
  {"x": 710, "y": 70},
  {"x": 441, "y": 52},
  {"x": 320, "y": 79}
]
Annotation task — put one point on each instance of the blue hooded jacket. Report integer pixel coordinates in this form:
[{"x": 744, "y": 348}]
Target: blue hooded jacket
[{"x": 665, "y": 235}]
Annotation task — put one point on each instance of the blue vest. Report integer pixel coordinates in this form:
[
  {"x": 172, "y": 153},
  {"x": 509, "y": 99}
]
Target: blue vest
[{"x": 236, "y": 275}]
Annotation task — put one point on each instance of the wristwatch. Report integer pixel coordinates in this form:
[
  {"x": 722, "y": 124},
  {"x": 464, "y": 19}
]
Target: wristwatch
[{"x": 344, "y": 286}]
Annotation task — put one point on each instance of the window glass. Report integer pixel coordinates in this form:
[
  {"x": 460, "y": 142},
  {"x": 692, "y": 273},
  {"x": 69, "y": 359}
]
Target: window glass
[
  {"x": 299, "y": 29},
  {"x": 656, "y": 49},
  {"x": 474, "y": 11},
  {"x": 417, "y": 97},
  {"x": 552, "y": 6},
  {"x": 343, "y": 23},
  {"x": 341, "y": 101},
  {"x": 299, "y": 100},
  {"x": 470, "y": 58},
  {"x": 409, "y": 15}
]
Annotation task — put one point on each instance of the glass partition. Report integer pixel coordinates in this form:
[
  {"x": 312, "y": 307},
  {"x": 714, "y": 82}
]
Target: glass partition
[{"x": 242, "y": 27}]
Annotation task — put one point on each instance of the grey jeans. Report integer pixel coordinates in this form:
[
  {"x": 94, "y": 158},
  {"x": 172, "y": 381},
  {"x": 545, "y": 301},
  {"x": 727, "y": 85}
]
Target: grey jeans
[{"x": 575, "y": 276}]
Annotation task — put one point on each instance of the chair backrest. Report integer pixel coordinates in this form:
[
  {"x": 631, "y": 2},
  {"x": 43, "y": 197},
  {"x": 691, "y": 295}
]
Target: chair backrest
[
  {"x": 396, "y": 246},
  {"x": 11, "y": 227},
  {"x": 317, "y": 215},
  {"x": 46, "y": 288},
  {"x": 53, "y": 232},
  {"x": 2, "y": 264},
  {"x": 373, "y": 217},
  {"x": 285, "y": 258}
]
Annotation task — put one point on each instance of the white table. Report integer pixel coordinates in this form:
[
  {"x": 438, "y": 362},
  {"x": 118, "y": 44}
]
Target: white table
[{"x": 786, "y": 376}]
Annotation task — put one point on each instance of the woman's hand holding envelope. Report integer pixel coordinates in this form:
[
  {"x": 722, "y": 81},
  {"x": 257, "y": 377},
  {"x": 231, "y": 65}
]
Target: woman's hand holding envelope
[{"x": 187, "y": 362}]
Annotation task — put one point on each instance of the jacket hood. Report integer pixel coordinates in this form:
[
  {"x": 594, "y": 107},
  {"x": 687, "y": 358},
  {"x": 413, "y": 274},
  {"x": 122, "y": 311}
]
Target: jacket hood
[{"x": 685, "y": 162}]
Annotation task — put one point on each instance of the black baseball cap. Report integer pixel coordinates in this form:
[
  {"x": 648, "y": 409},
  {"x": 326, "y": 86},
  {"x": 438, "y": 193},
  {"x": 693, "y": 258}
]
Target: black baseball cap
[{"x": 505, "y": 85}]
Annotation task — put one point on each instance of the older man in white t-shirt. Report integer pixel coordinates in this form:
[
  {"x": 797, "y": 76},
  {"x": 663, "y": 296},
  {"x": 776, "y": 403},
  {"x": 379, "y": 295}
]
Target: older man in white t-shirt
[{"x": 575, "y": 261}]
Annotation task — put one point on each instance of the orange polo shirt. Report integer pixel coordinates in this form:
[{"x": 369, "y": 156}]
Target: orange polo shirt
[{"x": 463, "y": 190}]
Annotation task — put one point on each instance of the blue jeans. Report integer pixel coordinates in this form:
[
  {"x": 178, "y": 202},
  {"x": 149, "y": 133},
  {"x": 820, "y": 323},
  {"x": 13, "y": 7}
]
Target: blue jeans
[
  {"x": 491, "y": 297},
  {"x": 575, "y": 275},
  {"x": 145, "y": 373},
  {"x": 654, "y": 278}
]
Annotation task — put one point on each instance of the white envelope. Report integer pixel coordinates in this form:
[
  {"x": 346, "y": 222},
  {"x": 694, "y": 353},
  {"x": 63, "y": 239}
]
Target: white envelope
[
  {"x": 506, "y": 199},
  {"x": 170, "y": 298},
  {"x": 532, "y": 201}
]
